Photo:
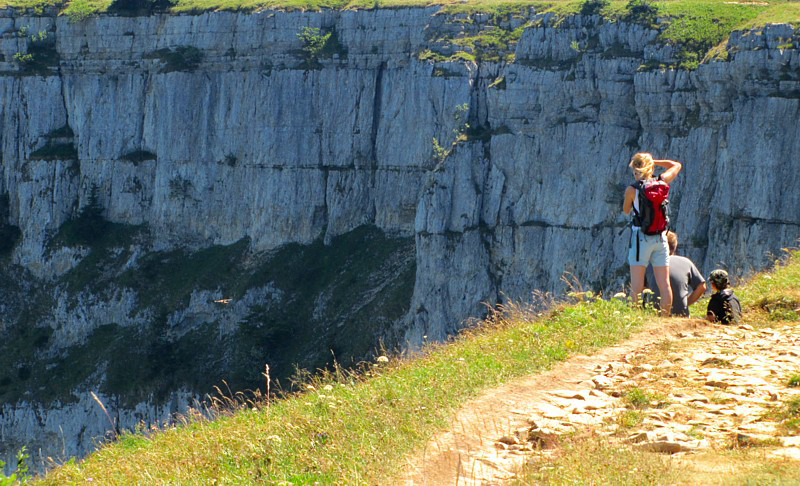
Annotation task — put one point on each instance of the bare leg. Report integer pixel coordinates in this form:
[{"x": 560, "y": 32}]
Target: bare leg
[
  {"x": 637, "y": 281},
  {"x": 664, "y": 289}
]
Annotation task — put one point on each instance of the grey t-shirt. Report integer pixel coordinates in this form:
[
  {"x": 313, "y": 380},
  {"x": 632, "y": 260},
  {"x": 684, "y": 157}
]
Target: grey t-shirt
[{"x": 683, "y": 277}]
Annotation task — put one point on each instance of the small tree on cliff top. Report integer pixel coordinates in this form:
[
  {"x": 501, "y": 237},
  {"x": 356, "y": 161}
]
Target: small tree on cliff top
[{"x": 313, "y": 43}]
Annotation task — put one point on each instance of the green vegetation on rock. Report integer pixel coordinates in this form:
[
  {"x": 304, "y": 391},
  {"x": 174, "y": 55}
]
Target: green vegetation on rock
[
  {"x": 79, "y": 10},
  {"x": 181, "y": 58},
  {"x": 55, "y": 151},
  {"x": 787, "y": 414},
  {"x": 774, "y": 296},
  {"x": 40, "y": 55},
  {"x": 20, "y": 343},
  {"x": 9, "y": 235},
  {"x": 138, "y": 156},
  {"x": 20, "y": 475},
  {"x": 697, "y": 28},
  {"x": 88, "y": 228},
  {"x": 319, "y": 44},
  {"x": 638, "y": 398},
  {"x": 773, "y": 11},
  {"x": 493, "y": 44}
]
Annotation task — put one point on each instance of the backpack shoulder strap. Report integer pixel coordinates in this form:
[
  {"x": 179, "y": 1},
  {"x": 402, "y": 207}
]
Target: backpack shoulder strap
[
  {"x": 738, "y": 305},
  {"x": 638, "y": 186}
]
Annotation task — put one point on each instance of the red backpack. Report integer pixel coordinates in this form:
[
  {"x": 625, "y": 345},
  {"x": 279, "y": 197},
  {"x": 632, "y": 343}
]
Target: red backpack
[{"x": 653, "y": 214}]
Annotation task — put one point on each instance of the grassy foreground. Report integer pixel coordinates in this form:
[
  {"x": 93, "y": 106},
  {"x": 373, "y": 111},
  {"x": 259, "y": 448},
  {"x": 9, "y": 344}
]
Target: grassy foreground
[
  {"x": 358, "y": 428},
  {"x": 349, "y": 428},
  {"x": 775, "y": 295}
]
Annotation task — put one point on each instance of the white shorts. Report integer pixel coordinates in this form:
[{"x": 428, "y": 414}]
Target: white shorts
[{"x": 651, "y": 249}]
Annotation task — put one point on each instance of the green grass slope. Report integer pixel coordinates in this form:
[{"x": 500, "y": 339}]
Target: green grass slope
[{"x": 357, "y": 428}]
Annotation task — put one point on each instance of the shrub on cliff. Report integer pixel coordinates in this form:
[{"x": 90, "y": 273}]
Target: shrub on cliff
[
  {"x": 139, "y": 7},
  {"x": 9, "y": 235},
  {"x": 641, "y": 12},
  {"x": 181, "y": 58},
  {"x": 593, "y": 7},
  {"x": 313, "y": 42},
  {"x": 319, "y": 44},
  {"x": 88, "y": 227},
  {"x": 19, "y": 476}
]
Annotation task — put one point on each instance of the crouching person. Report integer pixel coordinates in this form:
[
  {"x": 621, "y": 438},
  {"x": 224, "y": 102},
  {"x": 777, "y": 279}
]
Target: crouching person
[{"x": 723, "y": 307}]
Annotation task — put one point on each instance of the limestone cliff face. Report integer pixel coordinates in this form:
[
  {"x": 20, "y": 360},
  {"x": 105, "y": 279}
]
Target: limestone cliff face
[
  {"x": 542, "y": 196},
  {"x": 341, "y": 192}
]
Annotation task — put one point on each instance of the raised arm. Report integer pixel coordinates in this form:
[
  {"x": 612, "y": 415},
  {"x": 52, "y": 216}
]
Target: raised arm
[
  {"x": 630, "y": 193},
  {"x": 672, "y": 166}
]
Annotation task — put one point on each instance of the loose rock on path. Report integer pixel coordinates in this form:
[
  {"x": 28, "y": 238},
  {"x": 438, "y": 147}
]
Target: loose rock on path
[{"x": 677, "y": 387}]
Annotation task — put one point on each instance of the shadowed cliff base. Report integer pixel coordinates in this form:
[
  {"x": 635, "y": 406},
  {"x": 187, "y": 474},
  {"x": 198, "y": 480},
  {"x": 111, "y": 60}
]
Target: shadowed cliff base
[{"x": 306, "y": 306}]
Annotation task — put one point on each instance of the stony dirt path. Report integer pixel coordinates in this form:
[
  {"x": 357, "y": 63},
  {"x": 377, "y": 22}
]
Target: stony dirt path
[{"x": 679, "y": 387}]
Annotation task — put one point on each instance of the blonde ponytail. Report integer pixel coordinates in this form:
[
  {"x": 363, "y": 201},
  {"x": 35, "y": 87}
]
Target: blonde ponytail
[{"x": 642, "y": 165}]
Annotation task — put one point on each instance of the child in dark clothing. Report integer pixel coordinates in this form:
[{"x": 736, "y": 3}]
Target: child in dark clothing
[{"x": 723, "y": 307}]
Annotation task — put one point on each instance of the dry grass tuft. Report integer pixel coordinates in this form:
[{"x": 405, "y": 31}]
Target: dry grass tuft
[{"x": 594, "y": 461}]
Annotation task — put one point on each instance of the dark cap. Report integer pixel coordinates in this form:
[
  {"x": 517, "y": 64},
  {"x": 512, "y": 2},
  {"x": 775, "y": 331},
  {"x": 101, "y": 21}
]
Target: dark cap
[{"x": 719, "y": 278}]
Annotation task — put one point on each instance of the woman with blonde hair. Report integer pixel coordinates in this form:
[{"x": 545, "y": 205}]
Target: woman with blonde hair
[{"x": 648, "y": 244}]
